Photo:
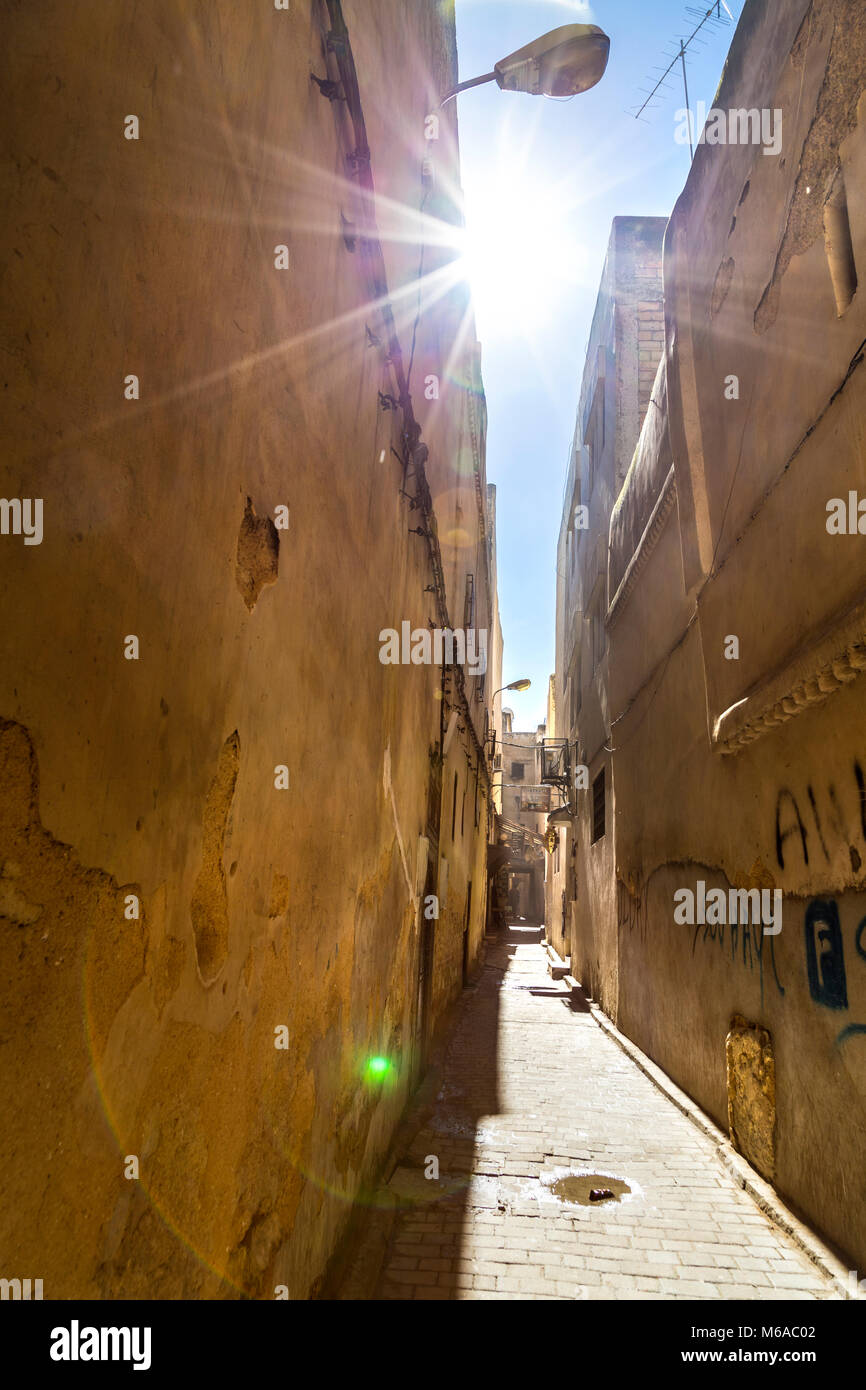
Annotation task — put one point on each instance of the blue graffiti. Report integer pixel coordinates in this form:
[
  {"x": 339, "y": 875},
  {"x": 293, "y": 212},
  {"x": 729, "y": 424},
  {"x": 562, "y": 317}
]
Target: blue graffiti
[
  {"x": 852, "y": 1030},
  {"x": 826, "y": 971}
]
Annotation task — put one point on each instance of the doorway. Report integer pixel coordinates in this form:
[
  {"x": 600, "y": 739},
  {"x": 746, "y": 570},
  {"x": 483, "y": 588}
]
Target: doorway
[
  {"x": 466, "y": 933},
  {"x": 426, "y": 956}
]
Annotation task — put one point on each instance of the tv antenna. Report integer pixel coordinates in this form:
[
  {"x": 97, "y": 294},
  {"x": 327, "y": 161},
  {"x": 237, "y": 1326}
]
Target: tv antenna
[{"x": 676, "y": 51}]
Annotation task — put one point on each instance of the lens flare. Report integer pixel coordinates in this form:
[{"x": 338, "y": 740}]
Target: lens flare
[{"x": 377, "y": 1068}]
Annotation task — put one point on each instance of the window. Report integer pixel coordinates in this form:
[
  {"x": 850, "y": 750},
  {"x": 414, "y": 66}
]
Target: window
[
  {"x": 469, "y": 603},
  {"x": 480, "y": 683},
  {"x": 454, "y": 807},
  {"x": 572, "y": 539},
  {"x": 597, "y": 634},
  {"x": 518, "y": 771},
  {"x": 574, "y": 698},
  {"x": 594, "y": 423},
  {"x": 598, "y": 807}
]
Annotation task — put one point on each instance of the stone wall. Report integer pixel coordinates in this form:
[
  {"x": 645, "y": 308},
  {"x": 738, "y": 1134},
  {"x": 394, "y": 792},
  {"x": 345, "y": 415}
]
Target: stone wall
[
  {"x": 211, "y": 837},
  {"x": 613, "y": 401},
  {"x": 739, "y": 765}
]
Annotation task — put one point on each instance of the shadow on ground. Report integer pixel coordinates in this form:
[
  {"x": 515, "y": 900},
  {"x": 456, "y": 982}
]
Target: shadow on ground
[{"x": 442, "y": 1160}]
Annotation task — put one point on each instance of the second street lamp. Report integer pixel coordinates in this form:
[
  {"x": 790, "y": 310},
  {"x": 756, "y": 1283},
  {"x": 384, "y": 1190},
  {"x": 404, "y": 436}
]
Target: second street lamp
[
  {"x": 559, "y": 64},
  {"x": 523, "y": 684}
]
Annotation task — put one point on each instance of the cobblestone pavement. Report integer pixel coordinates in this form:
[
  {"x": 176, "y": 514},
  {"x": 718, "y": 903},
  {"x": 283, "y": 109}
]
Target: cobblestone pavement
[{"x": 533, "y": 1090}]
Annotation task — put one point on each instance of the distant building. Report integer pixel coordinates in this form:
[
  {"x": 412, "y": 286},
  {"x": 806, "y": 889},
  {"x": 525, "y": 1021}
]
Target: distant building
[
  {"x": 494, "y": 665},
  {"x": 556, "y": 865},
  {"x": 525, "y": 802},
  {"x": 625, "y": 342}
]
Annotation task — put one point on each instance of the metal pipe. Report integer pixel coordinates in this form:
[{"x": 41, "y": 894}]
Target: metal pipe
[
  {"x": 371, "y": 250},
  {"x": 463, "y": 86}
]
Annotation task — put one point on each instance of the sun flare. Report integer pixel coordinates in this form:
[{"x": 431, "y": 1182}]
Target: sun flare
[{"x": 521, "y": 252}]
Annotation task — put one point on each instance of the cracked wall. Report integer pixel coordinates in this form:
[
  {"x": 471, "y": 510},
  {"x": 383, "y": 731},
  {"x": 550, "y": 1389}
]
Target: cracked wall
[
  {"x": 265, "y": 903},
  {"x": 748, "y": 773}
]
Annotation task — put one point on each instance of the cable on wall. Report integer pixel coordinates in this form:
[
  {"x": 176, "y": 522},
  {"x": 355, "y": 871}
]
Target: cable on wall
[{"x": 370, "y": 246}]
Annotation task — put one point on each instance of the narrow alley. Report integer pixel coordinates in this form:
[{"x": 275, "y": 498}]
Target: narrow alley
[
  {"x": 433, "y": 672},
  {"x": 533, "y": 1090}
]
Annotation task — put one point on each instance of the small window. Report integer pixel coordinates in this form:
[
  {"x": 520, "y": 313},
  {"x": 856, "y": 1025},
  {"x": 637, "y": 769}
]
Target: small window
[
  {"x": 597, "y": 634},
  {"x": 594, "y": 423},
  {"x": 469, "y": 603},
  {"x": 518, "y": 771},
  {"x": 574, "y": 687},
  {"x": 598, "y": 807}
]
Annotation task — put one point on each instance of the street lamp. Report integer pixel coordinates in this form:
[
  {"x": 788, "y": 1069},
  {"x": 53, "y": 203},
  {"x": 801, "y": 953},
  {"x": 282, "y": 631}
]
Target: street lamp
[
  {"x": 559, "y": 64},
  {"x": 523, "y": 684}
]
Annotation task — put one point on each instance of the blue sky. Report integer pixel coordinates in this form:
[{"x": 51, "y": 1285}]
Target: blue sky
[{"x": 543, "y": 181}]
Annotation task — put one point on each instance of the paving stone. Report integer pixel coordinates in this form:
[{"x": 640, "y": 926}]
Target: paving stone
[
  {"x": 796, "y": 1281},
  {"x": 530, "y": 1092},
  {"x": 525, "y": 1283}
]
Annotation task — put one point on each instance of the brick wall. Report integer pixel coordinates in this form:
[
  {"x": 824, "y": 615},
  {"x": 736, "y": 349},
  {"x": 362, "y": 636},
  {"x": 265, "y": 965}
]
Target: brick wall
[{"x": 651, "y": 331}]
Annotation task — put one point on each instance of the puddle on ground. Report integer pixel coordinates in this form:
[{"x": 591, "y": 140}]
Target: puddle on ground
[{"x": 577, "y": 1188}]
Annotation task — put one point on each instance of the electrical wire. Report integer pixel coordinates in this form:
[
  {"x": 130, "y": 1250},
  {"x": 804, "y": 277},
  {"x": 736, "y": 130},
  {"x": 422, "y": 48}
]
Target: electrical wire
[{"x": 374, "y": 259}]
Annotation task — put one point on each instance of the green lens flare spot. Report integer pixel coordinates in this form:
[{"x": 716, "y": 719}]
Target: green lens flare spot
[{"x": 377, "y": 1068}]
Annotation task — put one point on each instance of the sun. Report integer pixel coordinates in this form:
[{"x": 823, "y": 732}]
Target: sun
[{"x": 521, "y": 252}]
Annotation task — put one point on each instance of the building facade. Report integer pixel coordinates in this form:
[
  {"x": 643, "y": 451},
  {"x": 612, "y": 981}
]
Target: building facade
[
  {"x": 559, "y": 848},
  {"x": 736, "y": 632},
  {"x": 625, "y": 340},
  {"x": 525, "y": 803},
  {"x": 497, "y": 652},
  {"x": 243, "y": 838}
]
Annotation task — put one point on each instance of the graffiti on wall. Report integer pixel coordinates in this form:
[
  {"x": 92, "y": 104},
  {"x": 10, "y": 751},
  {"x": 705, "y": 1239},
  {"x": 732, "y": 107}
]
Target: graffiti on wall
[
  {"x": 746, "y": 942},
  {"x": 808, "y": 827},
  {"x": 825, "y": 954},
  {"x": 631, "y": 906},
  {"x": 825, "y": 959}
]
